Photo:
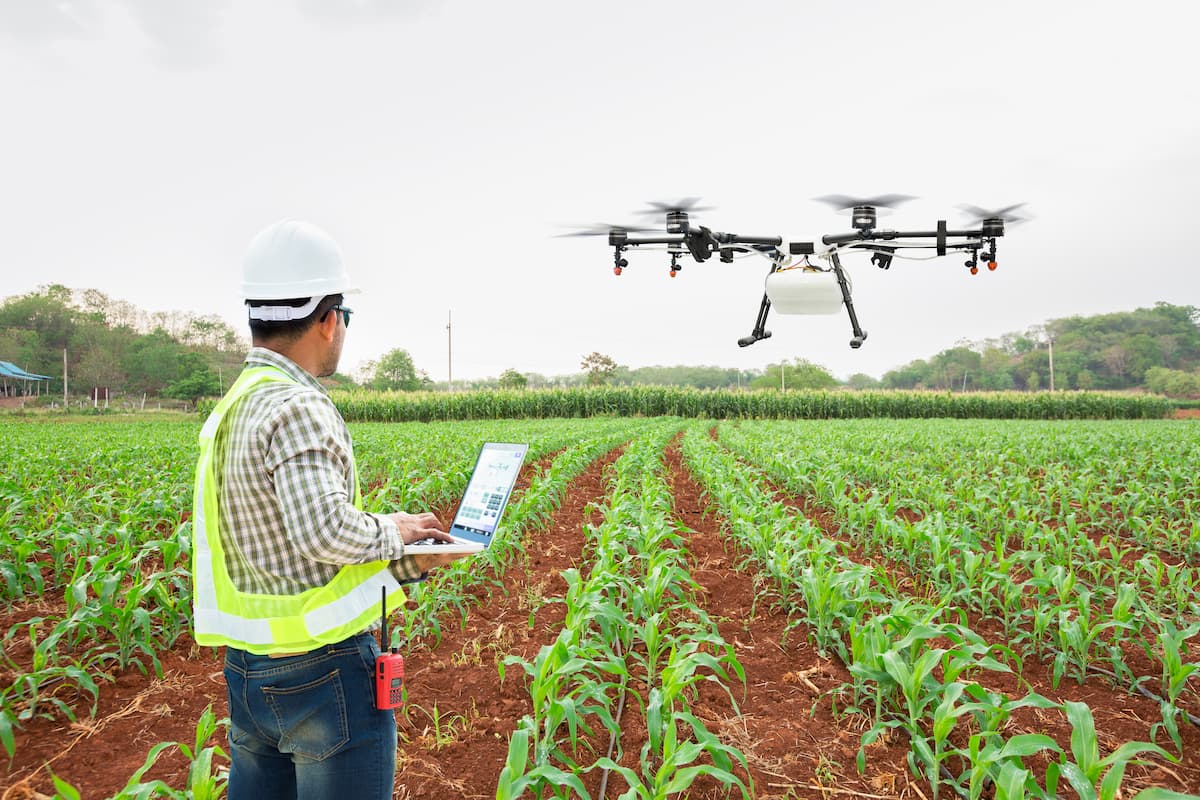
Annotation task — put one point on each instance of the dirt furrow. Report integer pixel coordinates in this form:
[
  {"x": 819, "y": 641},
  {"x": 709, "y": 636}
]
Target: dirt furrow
[{"x": 797, "y": 747}]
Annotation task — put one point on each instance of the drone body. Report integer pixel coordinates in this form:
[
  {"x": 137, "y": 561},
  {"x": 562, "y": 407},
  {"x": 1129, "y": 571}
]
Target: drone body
[{"x": 799, "y": 286}]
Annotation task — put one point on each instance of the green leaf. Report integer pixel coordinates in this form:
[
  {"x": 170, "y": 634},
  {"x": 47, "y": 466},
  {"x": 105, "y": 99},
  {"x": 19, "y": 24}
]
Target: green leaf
[
  {"x": 1085, "y": 747},
  {"x": 6, "y": 732},
  {"x": 1026, "y": 744},
  {"x": 1155, "y": 793},
  {"x": 64, "y": 789},
  {"x": 1012, "y": 782}
]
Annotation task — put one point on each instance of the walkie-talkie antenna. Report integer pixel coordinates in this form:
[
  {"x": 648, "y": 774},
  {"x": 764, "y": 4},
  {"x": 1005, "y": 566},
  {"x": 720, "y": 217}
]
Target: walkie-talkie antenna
[{"x": 383, "y": 634}]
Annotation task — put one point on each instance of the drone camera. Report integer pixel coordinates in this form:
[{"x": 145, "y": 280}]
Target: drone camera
[{"x": 801, "y": 248}]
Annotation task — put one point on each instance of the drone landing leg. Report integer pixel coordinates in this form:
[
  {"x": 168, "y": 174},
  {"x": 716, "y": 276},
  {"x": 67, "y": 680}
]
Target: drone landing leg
[
  {"x": 758, "y": 333},
  {"x": 860, "y": 335}
]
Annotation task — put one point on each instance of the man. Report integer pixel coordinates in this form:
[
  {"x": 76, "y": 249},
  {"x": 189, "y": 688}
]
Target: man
[{"x": 288, "y": 569}]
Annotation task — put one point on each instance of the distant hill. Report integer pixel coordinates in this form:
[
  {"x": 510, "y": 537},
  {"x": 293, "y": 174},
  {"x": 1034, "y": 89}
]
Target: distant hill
[{"x": 1105, "y": 351}]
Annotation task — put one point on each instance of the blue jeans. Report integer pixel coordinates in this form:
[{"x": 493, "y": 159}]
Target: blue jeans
[{"x": 306, "y": 726}]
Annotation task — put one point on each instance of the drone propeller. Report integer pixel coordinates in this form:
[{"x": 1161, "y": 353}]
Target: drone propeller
[
  {"x": 845, "y": 202},
  {"x": 1006, "y": 214},
  {"x": 686, "y": 205},
  {"x": 604, "y": 229}
]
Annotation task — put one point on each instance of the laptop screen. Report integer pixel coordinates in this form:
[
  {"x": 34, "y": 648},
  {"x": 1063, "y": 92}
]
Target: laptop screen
[{"x": 487, "y": 492}]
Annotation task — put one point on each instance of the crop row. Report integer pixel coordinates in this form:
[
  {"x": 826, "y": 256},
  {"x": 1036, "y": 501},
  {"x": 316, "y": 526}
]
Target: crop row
[
  {"x": 634, "y": 638},
  {"x": 652, "y": 401},
  {"x": 915, "y": 668},
  {"x": 1076, "y": 599}
]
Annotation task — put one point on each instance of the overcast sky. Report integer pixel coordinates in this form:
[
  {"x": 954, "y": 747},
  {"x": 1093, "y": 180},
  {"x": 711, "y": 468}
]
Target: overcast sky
[{"x": 144, "y": 142}]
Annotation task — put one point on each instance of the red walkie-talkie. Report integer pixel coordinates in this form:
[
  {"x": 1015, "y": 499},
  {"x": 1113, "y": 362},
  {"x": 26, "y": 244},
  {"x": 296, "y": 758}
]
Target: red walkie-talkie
[{"x": 389, "y": 669}]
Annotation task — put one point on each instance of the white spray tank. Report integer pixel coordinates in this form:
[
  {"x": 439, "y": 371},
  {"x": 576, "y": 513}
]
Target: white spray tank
[{"x": 804, "y": 291}]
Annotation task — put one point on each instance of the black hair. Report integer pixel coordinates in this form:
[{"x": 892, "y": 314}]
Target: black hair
[{"x": 288, "y": 331}]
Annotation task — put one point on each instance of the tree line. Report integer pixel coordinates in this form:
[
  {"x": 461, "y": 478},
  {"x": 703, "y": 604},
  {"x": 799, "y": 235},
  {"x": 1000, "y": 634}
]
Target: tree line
[{"x": 112, "y": 344}]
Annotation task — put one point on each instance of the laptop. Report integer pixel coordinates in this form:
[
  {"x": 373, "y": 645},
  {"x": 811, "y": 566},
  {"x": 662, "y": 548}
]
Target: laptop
[{"x": 483, "y": 503}]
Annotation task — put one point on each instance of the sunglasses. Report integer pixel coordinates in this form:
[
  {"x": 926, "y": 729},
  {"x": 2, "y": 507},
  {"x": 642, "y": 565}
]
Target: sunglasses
[{"x": 346, "y": 312}]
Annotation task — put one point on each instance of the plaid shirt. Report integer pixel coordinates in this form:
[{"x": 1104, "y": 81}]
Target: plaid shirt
[{"x": 285, "y": 487}]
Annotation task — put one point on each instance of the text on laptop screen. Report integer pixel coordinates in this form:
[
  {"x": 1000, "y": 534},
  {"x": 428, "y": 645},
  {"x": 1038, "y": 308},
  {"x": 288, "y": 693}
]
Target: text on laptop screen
[{"x": 493, "y": 479}]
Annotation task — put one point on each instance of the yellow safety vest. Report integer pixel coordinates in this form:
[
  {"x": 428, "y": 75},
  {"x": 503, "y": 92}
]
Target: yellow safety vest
[{"x": 267, "y": 623}]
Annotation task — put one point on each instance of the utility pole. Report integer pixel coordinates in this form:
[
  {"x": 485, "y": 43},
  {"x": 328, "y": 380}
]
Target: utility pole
[
  {"x": 449, "y": 355},
  {"x": 65, "y": 403},
  {"x": 1052, "y": 363},
  {"x": 964, "y": 381},
  {"x": 782, "y": 376}
]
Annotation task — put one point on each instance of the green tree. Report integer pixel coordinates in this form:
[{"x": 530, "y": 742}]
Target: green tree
[
  {"x": 198, "y": 379},
  {"x": 598, "y": 367},
  {"x": 800, "y": 374},
  {"x": 395, "y": 370},
  {"x": 153, "y": 362},
  {"x": 511, "y": 379},
  {"x": 860, "y": 380}
]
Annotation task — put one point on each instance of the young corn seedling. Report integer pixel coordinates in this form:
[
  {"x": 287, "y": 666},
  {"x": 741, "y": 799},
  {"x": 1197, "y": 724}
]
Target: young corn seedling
[
  {"x": 1088, "y": 769},
  {"x": 1176, "y": 673}
]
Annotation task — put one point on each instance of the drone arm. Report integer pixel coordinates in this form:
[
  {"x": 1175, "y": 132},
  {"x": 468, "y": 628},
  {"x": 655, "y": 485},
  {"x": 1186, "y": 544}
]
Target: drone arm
[
  {"x": 888, "y": 236},
  {"x": 733, "y": 238},
  {"x": 654, "y": 240}
]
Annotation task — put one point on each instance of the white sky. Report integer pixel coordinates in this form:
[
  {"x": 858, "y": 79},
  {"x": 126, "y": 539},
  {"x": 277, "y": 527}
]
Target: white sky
[{"x": 144, "y": 142}]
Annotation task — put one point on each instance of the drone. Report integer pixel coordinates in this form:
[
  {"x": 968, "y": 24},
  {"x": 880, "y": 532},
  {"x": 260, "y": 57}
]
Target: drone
[{"x": 804, "y": 278}]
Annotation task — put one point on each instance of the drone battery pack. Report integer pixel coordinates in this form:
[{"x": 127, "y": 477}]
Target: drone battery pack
[
  {"x": 389, "y": 681},
  {"x": 802, "y": 291}
]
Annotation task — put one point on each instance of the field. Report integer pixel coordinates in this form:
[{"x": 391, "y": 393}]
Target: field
[{"x": 680, "y": 608}]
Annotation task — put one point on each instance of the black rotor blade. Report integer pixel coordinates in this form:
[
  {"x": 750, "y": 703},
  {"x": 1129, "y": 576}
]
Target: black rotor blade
[
  {"x": 687, "y": 204},
  {"x": 845, "y": 201},
  {"x": 1007, "y": 213},
  {"x": 605, "y": 228}
]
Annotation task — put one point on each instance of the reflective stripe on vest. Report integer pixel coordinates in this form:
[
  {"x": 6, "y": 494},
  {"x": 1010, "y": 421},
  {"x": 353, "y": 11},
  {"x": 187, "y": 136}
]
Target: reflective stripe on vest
[{"x": 266, "y": 623}]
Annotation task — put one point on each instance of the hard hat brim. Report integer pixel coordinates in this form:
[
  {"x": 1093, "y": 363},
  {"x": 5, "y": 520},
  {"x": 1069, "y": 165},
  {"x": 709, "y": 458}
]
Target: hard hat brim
[{"x": 295, "y": 291}]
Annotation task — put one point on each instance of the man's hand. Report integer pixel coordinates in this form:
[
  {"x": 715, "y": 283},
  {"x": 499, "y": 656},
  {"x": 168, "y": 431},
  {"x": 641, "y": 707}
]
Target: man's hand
[{"x": 415, "y": 527}]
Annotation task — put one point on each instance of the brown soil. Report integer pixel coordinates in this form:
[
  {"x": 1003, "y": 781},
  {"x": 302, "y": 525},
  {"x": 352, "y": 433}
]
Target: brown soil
[
  {"x": 1187, "y": 413},
  {"x": 135, "y": 713}
]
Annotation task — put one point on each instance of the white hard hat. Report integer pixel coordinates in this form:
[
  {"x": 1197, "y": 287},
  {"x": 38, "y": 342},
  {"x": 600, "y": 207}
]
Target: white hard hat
[{"x": 293, "y": 259}]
